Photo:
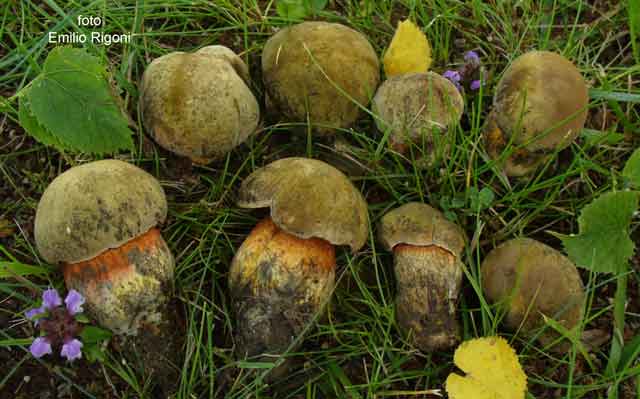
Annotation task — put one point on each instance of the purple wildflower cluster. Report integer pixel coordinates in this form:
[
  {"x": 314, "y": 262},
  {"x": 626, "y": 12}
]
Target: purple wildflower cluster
[
  {"x": 470, "y": 74},
  {"x": 58, "y": 324}
]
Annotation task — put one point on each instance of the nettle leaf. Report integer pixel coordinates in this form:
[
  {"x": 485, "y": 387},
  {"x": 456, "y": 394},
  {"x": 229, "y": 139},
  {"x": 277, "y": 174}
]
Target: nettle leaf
[
  {"x": 631, "y": 170},
  {"x": 69, "y": 105},
  {"x": 603, "y": 244}
]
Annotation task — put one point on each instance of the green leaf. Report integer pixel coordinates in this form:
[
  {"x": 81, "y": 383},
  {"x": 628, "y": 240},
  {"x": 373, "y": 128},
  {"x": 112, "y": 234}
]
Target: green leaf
[
  {"x": 634, "y": 27},
  {"x": 631, "y": 169},
  {"x": 291, "y": 9},
  {"x": 93, "y": 352},
  {"x": 599, "y": 94},
  {"x": 315, "y": 6},
  {"x": 81, "y": 318},
  {"x": 70, "y": 105},
  {"x": 15, "y": 342},
  {"x": 92, "y": 334},
  {"x": 603, "y": 244},
  {"x": 13, "y": 269},
  {"x": 481, "y": 199}
]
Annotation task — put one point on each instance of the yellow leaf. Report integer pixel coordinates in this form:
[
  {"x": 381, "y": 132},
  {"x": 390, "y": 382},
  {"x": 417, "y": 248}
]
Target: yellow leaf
[
  {"x": 492, "y": 368},
  {"x": 408, "y": 52}
]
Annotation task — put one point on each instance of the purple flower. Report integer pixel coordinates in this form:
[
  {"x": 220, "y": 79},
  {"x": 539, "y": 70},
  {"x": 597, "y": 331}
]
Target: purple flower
[
  {"x": 31, "y": 313},
  {"x": 475, "y": 85},
  {"x": 51, "y": 299},
  {"x": 74, "y": 302},
  {"x": 453, "y": 76},
  {"x": 472, "y": 57},
  {"x": 72, "y": 349},
  {"x": 40, "y": 347}
]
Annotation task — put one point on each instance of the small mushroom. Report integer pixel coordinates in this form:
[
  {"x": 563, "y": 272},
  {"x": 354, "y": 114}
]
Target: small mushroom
[
  {"x": 418, "y": 108},
  {"x": 426, "y": 250},
  {"x": 199, "y": 105},
  {"x": 540, "y": 106},
  {"x": 530, "y": 280},
  {"x": 99, "y": 221},
  {"x": 322, "y": 70},
  {"x": 284, "y": 272}
]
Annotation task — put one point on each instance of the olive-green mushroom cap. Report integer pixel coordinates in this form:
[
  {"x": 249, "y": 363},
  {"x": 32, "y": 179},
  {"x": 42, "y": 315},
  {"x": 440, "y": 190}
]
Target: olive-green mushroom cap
[
  {"x": 419, "y": 224},
  {"x": 416, "y": 105},
  {"x": 533, "y": 279},
  {"x": 309, "y": 198},
  {"x": 96, "y": 206},
  {"x": 541, "y": 101},
  {"x": 323, "y": 68},
  {"x": 199, "y": 105}
]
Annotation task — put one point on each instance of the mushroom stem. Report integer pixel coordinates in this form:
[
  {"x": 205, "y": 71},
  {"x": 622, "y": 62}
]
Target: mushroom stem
[
  {"x": 428, "y": 282},
  {"x": 278, "y": 282}
]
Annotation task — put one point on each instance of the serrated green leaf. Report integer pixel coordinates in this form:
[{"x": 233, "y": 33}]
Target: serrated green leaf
[
  {"x": 603, "y": 244},
  {"x": 72, "y": 101},
  {"x": 29, "y": 122},
  {"x": 92, "y": 334},
  {"x": 631, "y": 169}
]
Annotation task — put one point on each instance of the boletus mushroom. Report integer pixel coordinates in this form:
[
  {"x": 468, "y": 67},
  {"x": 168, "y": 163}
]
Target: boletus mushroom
[
  {"x": 418, "y": 108},
  {"x": 321, "y": 71},
  {"x": 100, "y": 222},
  {"x": 539, "y": 107},
  {"x": 199, "y": 105},
  {"x": 529, "y": 280},
  {"x": 426, "y": 250},
  {"x": 284, "y": 272}
]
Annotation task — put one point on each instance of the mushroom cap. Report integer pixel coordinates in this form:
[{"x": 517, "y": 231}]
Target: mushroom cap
[
  {"x": 296, "y": 82},
  {"x": 416, "y": 223},
  {"x": 535, "y": 278},
  {"x": 309, "y": 198},
  {"x": 413, "y": 105},
  {"x": 94, "y": 207},
  {"x": 199, "y": 105},
  {"x": 541, "y": 101}
]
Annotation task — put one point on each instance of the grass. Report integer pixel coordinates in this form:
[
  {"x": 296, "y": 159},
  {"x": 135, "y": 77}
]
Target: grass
[{"x": 354, "y": 349}]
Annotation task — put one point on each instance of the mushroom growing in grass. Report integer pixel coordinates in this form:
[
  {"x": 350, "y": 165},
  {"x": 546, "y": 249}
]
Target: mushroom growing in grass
[
  {"x": 539, "y": 107},
  {"x": 530, "y": 281},
  {"x": 320, "y": 72},
  {"x": 100, "y": 222},
  {"x": 199, "y": 105},
  {"x": 284, "y": 271},
  {"x": 418, "y": 108},
  {"x": 426, "y": 250}
]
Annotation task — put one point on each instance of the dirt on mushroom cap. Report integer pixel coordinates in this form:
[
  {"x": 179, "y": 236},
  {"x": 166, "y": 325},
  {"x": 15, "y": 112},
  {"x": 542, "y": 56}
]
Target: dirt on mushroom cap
[
  {"x": 96, "y": 206},
  {"x": 309, "y": 198},
  {"x": 199, "y": 104},
  {"x": 296, "y": 82},
  {"x": 532, "y": 279}
]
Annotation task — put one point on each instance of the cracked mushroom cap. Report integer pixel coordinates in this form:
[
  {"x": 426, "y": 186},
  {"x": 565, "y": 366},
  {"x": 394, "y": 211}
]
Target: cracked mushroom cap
[
  {"x": 343, "y": 68},
  {"x": 94, "y": 207},
  {"x": 419, "y": 224},
  {"x": 541, "y": 104},
  {"x": 199, "y": 105},
  {"x": 309, "y": 198}
]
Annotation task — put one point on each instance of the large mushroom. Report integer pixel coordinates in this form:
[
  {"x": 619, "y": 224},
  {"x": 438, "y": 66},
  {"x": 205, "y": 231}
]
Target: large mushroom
[
  {"x": 426, "y": 250},
  {"x": 539, "y": 107},
  {"x": 284, "y": 272},
  {"x": 320, "y": 71},
  {"x": 418, "y": 108},
  {"x": 199, "y": 105},
  {"x": 100, "y": 222},
  {"x": 530, "y": 280}
]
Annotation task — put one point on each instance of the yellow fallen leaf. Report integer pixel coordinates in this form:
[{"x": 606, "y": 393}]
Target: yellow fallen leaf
[
  {"x": 492, "y": 368},
  {"x": 408, "y": 52}
]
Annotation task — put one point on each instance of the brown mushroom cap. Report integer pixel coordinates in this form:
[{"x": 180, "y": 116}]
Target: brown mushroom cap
[
  {"x": 416, "y": 223},
  {"x": 413, "y": 105},
  {"x": 296, "y": 82},
  {"x": 528, "y": 276},
  {"x": 309, "y": 198},
  {"x": 540, "y": 104},
  {"x": 94, "y": 207},
  {"x": 199, "y": 105}
]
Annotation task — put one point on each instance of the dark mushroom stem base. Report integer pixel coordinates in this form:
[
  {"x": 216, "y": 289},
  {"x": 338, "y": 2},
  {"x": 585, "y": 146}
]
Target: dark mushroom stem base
[
  {"x": 279, "y": 283},
  {"x": 127, "y": 290},
  {"x": 428, "y": 283}
]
